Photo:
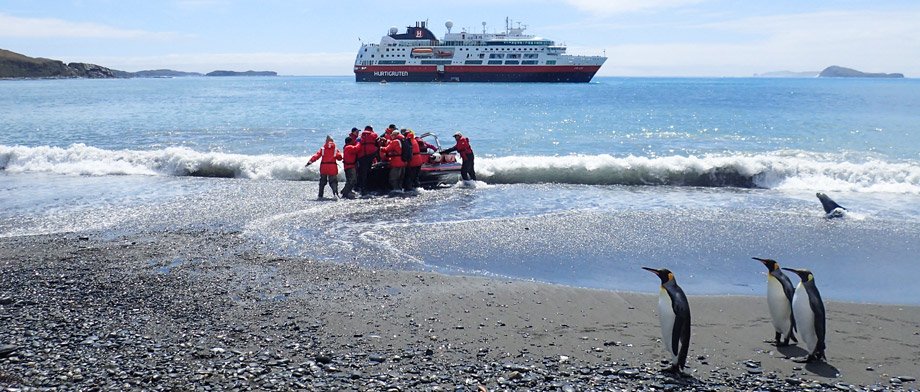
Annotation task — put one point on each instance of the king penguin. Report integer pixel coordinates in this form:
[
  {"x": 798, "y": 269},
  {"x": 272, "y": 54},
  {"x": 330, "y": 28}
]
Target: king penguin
[
  {"x": 779, "y": 298},
  {"x": 674, "y": 313},
  {"x": 808, "y": 310}
]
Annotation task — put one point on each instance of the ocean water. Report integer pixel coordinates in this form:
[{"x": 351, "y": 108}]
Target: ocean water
[{"x": 581, "y": 183}]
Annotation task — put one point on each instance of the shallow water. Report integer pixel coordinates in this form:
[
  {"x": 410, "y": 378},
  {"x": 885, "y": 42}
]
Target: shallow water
[{"x": 581, "y": 235}]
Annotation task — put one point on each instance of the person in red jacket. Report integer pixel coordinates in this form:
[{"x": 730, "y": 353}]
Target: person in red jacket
[
  {"x": 350, "y": 161},
  {"x": 328, "y": 168},
  {"x": 389, "y": 132},
  {"x": 393, "y": 151},
  {"x": 354, "y": 136},
  {"x": 367, "y": 152},
  {"x": 466, "y": 153},
  {"x": 415, "y": 165}
]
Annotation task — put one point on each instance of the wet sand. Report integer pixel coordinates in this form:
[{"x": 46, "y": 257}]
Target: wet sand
[{"x": 203, "y": 310}]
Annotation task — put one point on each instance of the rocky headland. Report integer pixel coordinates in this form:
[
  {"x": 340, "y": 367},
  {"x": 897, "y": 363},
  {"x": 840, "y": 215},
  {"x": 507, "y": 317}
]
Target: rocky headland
[
  {"x": 18, "y": 66},
  {"x": 15, "y": 65}
]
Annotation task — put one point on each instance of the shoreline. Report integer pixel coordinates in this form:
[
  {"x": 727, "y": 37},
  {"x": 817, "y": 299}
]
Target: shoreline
[{"x": 203, "y": 308}]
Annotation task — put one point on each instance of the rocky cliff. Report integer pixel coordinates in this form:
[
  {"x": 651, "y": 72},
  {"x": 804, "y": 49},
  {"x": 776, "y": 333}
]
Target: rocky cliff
[{"x": 15, "y": 65}]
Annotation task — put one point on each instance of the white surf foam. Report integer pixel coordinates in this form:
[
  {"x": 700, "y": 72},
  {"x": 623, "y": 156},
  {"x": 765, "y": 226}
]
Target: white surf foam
[{"x": 788, "y": 170}]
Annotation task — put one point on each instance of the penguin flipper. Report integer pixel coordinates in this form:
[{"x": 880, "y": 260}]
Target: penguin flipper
[
  {"x": 817, "y": 308},
  {"x": 680, "y": 342}
]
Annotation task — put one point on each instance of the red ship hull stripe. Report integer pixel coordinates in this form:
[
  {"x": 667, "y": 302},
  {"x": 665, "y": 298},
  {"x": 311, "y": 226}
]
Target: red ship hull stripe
[{"x": 480, "y": 68}]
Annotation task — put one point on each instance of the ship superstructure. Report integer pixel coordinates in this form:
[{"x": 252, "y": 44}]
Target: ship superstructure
[{"x": 512, "y": 56}]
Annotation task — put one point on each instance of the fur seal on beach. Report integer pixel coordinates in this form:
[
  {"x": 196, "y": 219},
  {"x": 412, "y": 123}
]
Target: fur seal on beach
[
  {"x": 779, "y": 297},
  {"x": 831, "y": 208},
  {"x": 808, "y": 310},
  {"x": 674, "y": 314}
]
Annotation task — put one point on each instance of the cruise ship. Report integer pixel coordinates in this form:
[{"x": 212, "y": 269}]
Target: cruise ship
[{"x": 417, "y": 55}]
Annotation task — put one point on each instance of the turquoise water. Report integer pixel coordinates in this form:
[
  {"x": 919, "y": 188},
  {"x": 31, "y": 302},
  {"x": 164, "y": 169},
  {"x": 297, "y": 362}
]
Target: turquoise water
[{"x": 582, "y": 183}]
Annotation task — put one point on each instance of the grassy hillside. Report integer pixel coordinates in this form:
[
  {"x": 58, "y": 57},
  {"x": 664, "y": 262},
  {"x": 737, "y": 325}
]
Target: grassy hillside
[{"x": 15, "y": 65}]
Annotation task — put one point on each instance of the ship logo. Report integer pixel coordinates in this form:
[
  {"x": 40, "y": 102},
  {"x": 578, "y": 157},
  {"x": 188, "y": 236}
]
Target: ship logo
[{"x": 418, "y": 33}]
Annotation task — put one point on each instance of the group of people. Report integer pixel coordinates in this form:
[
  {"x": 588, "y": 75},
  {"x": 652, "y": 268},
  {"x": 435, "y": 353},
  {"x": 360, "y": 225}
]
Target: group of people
[{"x": 404, "y": 152}]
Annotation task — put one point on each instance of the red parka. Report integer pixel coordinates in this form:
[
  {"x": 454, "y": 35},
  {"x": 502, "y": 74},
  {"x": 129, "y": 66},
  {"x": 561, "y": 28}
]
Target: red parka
[
  {"x": 329, "y": 155},
  {"x": 368, "y": 143},
  {"x": 463, "y": 146},
  {"x": 350, "y": 156},
  {"x": 393, "y": 151},
  {"x": 417, "y": 158}
]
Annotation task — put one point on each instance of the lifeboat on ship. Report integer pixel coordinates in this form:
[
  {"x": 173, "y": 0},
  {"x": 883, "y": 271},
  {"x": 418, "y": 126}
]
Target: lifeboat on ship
[{"x": 422, "y": 52}]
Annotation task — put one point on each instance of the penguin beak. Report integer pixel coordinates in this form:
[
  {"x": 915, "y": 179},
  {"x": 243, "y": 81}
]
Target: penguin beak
[
  {"x": 762, "y": 261},
  {"x": 652, "y": 270},
  {"x": 799, "y": 273}
]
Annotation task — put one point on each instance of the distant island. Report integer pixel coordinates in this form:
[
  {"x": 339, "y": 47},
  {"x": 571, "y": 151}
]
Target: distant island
[
  {"x": 787, "y": 74},
  {"x": 163, "y": 73},
  {"x": 247, "y": 73},
  {"x": 17, "y": 66},
  {"x": 842, "y": 72}
]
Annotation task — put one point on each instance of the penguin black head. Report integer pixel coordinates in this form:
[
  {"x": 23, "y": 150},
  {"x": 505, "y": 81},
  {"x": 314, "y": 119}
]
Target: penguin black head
[
  {"x": 803, "y": 274},
  {"x": 664, "y": 274},
  {"x": 771, "y": 264}
]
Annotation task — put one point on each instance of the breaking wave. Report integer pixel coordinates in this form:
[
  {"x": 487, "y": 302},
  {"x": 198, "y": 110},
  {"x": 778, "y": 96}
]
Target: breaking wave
[{"x": 773, "y": 170}]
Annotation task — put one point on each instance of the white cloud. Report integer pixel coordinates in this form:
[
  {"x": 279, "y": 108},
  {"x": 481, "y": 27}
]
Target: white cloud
[
  {"x": 867, "y": 41},
  {"x": 611, "y": 7},
  {"x": 16, "y": 27}
]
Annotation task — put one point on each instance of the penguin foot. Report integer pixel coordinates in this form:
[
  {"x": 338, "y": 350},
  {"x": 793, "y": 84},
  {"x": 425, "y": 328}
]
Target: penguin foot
[
  {"x": 811, "y": 358},
  {"x": 673, "y": 370}
]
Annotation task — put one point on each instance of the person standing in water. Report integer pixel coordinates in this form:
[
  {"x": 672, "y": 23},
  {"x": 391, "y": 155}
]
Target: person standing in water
[
  {"x": 394, "y": 155},
  {"x": 328, "y": 168},
  {"x": 466, "y": 153},
  {"x": 367, "y": 153},
  {"x": 350, "y": 161}
]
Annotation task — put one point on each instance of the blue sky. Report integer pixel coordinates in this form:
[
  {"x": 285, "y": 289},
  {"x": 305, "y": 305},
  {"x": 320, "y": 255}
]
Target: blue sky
[{"x": 640, "y": 37}]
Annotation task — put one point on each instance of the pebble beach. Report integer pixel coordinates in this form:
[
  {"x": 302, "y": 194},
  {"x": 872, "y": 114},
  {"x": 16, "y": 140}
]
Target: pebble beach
[{"x": 204, "y": 310}]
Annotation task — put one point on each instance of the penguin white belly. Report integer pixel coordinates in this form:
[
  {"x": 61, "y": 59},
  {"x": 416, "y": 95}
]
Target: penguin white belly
[
  {"x": 666, "y": 315},
  {"x": 804, "y": 318},
  {"x": 780, "y": 309}
]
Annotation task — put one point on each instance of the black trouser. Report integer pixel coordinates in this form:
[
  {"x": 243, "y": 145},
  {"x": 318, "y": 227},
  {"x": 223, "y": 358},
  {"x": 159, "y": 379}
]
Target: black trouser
[
  {"x": 333, "y": 183},
  {"x": 364, "y": 167},
  {"x": 348, "y": 190},
  {"x": 466, "y": 170},
  {"x": 411, "y": 180}
]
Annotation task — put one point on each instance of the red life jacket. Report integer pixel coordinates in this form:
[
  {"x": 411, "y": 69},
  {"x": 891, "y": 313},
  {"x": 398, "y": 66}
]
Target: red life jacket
[
  {"x": 417, "y": 158},
  {"x": 394, "y": 153},
  {"x": 329, "y": 154},
  {"x": 368, "y": 143},
  {"x": 350, "y": 156},
  {"x": 463, "y": 146}
]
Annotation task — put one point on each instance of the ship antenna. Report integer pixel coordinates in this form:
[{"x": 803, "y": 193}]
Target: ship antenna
[{"x": 483, "y": 27}]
